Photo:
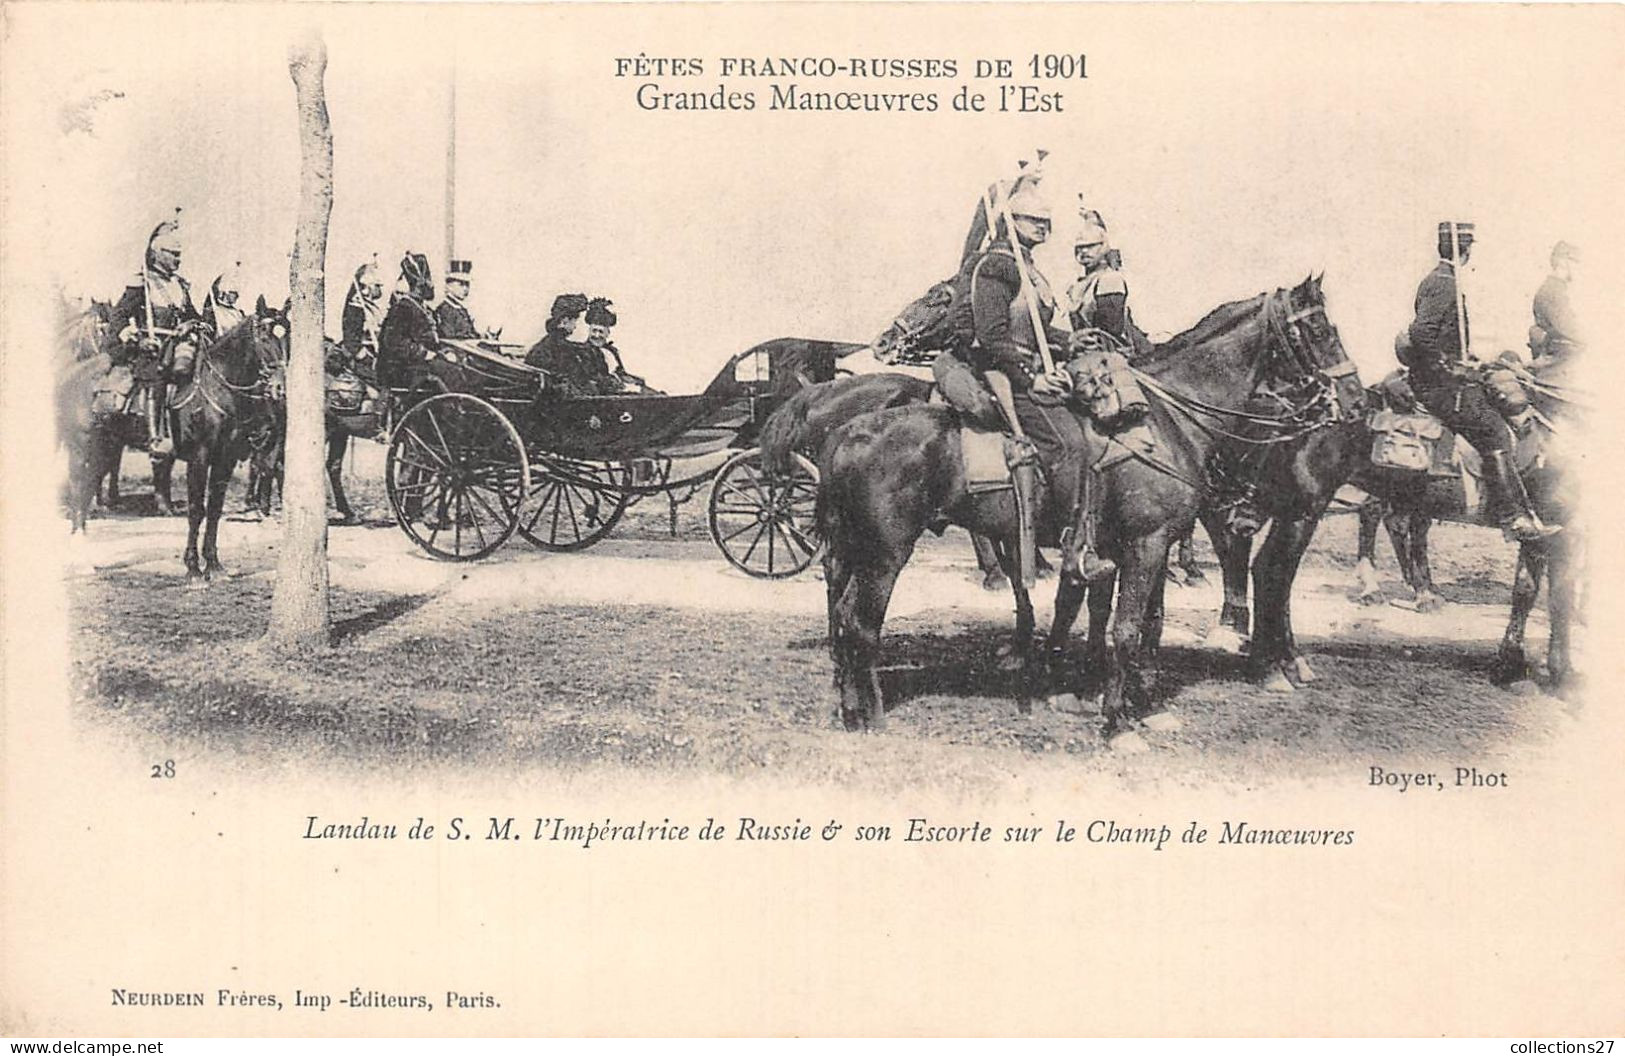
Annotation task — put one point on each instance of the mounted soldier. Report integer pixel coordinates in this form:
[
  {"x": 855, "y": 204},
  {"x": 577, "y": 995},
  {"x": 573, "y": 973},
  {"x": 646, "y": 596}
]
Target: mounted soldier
[
  {"x": 1003, "y": 309},
  {"x": 363, "y": 319},
  {"x": 220, "y": 307},
  {"x": 151, "y": 329},
  {"x": 408, "y": 336},
  {"x": 1556, "y": 330},
  {"x": 1099, "y": 297},
  {"x": 1457, "y": 392},
  {"x": 452, "y": 317}
]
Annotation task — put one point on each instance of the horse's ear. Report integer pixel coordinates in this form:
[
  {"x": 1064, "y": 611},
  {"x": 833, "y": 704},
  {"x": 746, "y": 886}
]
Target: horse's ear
[{"x": 260, "y": 307}]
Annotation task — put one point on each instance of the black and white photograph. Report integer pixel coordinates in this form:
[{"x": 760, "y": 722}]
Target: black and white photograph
[{"x": 816, "y": 519}]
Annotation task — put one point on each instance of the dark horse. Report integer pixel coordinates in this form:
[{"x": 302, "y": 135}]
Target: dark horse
[
  {"x": 1299, "y": 481},
  {"x": 236, "y": 389},
  {"x": 887, "y": 476},
  {"x": 805, "y": 421}
]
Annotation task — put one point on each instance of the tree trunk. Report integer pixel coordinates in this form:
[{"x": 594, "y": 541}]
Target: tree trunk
[{"x": 299, "y": 608}]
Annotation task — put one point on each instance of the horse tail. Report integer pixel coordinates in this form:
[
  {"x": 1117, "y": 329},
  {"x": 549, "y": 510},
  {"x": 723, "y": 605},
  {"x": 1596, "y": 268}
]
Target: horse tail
[{"x": 785, "y": 430}]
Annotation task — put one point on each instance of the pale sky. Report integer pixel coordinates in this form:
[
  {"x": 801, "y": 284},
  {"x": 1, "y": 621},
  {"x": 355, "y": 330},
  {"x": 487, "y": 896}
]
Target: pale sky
[{"x": 1232, "y": 149}]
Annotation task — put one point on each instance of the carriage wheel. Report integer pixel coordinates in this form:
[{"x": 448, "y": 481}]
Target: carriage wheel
[
  {"x": 456, "y": 474},
  {"x": 763, "y": 522},
  {"x": 574, "y": 504}
]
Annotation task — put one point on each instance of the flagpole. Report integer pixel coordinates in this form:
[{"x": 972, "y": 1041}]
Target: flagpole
[{"x": 451, "y": 165}]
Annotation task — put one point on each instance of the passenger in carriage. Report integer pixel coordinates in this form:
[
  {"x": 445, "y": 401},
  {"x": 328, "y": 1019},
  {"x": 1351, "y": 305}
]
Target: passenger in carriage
[
  {"x": 363, "y": 317},
  {"x": 574, "y": 368},
  {"x": 992, "y": 310},
  {"x": 220, "y": 308},
  {"x": 408, "y": 336},
  {"x": 451, "y": 315},
  {"x": 1457, "y": 393},
  {"x": 601, "y": 319}
]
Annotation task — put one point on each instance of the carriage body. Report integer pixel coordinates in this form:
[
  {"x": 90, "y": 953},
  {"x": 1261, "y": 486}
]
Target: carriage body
[{"x": 483, "y": 448}]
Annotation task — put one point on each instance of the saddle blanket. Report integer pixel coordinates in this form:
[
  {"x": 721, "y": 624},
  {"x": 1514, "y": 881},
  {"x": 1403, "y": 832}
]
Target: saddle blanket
[{"x": 987, "y": 466}]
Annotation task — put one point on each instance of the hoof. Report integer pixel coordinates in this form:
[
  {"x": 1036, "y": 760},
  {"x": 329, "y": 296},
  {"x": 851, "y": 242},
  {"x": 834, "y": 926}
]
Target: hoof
[
  {"x": 850, "y": 721},
  {"x": 1276, "y": 682},
  {"x": 1371, "y": 597},
  {"x": 1128, "y": 743},
  {"x": 1523, "y": 687},
  {"x": 1163, "y": 722},
  {"x": 995, "y": 581},
  {"x": 1509, "y": 672},
  {"x": 1195, "y": 577},
  {"x": 1428, "y": 601},
  {"x": 196, "y": 581},
  {"x": 1304, "y": 673},
  {"x": 1225, "y": 639},
  {"x": 1072, "y": 704}
]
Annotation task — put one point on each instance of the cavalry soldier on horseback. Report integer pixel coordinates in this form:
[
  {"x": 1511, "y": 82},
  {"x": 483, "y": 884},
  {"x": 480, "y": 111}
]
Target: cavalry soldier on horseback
[
  {"x": 997, "y": 334},
  {"x": 148, "y": 328},
  {"x": 408, "y": 337},
  {"x": 452, "y": 317},
  {"x": 1453, "y": 390},
  {"x": 1099, "y": 297},
  {"x": 1556, "y": 332},
  {"x": 220, "y": 308}
]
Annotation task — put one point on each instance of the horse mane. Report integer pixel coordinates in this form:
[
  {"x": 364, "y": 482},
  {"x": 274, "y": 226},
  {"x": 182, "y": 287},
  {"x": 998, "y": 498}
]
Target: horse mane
[{"x": 1220, "y": 320}]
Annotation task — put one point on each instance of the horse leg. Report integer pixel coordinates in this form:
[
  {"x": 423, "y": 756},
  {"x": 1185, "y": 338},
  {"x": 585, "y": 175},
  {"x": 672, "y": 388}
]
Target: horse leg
[
  {"x": 862, "y": 614},
  {"x": 1235, "y": 620},
  {"x": 114, "y": 470},
  {"x": 1069, "y": 597},
  {"x": 1427, "y": 598},
  {"x": 1273, "y": 574},
  {"x": 1024, "y": 646},
  {"x": 196, "y": 508},
  {"x": 1511, "y": 664},
  {"x": 1187, "y": 559},
  {"x": 338, "y": 442},
  {"x": 1365, "y": 567},
  {"x": 1143, "y": 561},
  {"x": 1560, "y": 607},
  {"x": 219, "y": 480},
  {"x": 987, "y": 560},
  {"x": 1153, "y": 623},
  {"x": 163, "y": 470}
]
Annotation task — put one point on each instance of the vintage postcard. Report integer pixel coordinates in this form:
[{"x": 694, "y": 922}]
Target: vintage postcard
[{"x": 902, "y": 519}]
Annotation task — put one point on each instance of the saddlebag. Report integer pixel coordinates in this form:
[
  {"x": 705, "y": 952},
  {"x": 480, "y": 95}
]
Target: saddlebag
[{"x": 1404, "y": 441}]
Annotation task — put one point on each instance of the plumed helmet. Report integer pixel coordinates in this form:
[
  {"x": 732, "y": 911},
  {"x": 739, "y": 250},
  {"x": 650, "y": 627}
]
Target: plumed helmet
[
  {"x": 229, "y": 281},
  {"x": 166, "y": 237},
  {"x": 1026, "y": 201},
  {"x": 415, "y": 269},
  {"x": 1565, "y": 251},
  {"x": 1093, "y": 231},
  {"x": 367, "y": 274},
  {"x": 601, "y": 312},
  {"x": 566, "y": 305}
]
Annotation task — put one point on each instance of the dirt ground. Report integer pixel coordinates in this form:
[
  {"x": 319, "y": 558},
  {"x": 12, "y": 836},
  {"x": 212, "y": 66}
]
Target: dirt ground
[{"x": 650, "y": 652}]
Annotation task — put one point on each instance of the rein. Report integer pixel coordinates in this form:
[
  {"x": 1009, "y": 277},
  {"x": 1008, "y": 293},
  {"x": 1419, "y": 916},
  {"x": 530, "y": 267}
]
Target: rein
[
  {"x": 256, "y": 391},
  {"x": 1291, "y": 426}
]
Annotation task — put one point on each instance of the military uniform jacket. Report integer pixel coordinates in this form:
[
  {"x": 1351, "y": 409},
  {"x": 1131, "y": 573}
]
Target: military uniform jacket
[
  {"x": 1555, "y": 315},
  {"x": 405, "y": 340},
  {"x": 453, "y": 320},
  {"x": 1436, "y": 339},
  {"x": 1100, "y": 301},
  {"x": 1000, "y": 324},
  {"x": 360, "y": 328},
  {"x": 171, "y": 306}
]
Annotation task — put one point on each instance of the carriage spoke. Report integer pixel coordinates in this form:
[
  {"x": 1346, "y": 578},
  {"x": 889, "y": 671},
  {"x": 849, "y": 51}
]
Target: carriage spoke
[
  {"x": 754, "y": 543},
  {"x": 741, "y": 530},
  {"x": 423, "y": 445},
  {"x": 795, "y": 533}
]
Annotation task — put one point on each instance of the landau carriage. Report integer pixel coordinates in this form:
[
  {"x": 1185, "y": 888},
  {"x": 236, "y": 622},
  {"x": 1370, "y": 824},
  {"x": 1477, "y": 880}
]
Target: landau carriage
[{"x": 488, "y": 450}]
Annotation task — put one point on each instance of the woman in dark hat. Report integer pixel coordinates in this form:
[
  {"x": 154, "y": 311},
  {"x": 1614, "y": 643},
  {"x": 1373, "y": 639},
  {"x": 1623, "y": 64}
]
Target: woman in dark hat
[{"x": 575, "y": 368}]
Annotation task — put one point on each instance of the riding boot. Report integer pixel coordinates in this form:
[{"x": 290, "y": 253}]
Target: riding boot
[
  {"x": 158, "y": 439},
  {"x": 1517, "y": 515}
]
